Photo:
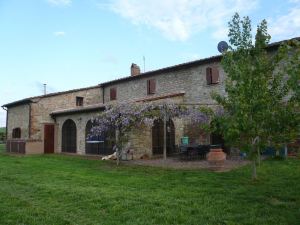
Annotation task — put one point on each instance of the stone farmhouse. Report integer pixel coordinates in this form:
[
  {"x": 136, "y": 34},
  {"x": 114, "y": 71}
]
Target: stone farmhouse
[{"x": 60, "y": 122}]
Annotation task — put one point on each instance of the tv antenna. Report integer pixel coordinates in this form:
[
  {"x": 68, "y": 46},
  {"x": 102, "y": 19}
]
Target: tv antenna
[
  {"x": 144, "y": 60},
  {"x": 222, "y": 46},
  {"x": 45, "y": 89}
]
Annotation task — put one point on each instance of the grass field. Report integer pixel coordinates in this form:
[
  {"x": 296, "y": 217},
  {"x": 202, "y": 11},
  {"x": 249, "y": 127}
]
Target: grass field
[
  {"x": 2, "y": 148},
  {"x": 56, "y": 189}
]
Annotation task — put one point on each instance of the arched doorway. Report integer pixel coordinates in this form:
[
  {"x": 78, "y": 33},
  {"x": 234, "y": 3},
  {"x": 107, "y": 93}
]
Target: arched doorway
[
  {"x": 69, "y": 136},
  {"x": 98, "y": 145},
  {"x": 158, "y": 137},
  {"x": 216, "y": 138}
]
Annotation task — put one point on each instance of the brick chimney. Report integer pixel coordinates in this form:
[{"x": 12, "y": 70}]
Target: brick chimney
[{"x": 135, "y": 69}]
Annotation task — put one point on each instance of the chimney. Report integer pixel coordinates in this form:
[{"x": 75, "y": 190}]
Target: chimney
[{"x": 135, "y": 69}]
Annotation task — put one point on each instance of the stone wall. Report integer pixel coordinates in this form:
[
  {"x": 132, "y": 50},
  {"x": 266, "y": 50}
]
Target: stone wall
[
  {"x": 191, "y": 80},
  {"x": 34, "y": 147},
  {"x": 42, "y": 107},
  {"x": 18, "y": 116},
  {"x": 141, "y": 142},
  {"x": 140, "y": 139},
  {"x": 80, "y": 120}
]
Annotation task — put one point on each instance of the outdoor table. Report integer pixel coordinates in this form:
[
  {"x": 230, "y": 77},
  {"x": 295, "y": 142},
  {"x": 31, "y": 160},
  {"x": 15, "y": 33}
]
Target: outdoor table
[
  {"x": 193, "y": 151},
  {"x": 94, "y": 142}
]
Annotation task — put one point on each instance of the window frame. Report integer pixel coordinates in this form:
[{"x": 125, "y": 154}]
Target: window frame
[
  {"x": 79, "y": 101},
  {"x": 16, "y": 133},
  {"x": 212, "y": 75},
  {"x": 151, "y": 86}
]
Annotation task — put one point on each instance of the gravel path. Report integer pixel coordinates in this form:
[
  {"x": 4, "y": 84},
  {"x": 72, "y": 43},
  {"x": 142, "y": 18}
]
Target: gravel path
[{"x": 175, "y": 163}]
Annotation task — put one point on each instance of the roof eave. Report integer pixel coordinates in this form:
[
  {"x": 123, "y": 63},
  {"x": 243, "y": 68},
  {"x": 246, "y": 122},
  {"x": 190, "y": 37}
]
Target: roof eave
[
  {"x": 17, "y": 103},
  {"x": 76, "y": 111}
]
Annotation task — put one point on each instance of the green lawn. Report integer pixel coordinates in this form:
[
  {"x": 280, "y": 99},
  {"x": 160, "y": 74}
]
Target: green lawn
[
  {"x": 2, "y": 148},
  {"x": 58, "y": 189}
]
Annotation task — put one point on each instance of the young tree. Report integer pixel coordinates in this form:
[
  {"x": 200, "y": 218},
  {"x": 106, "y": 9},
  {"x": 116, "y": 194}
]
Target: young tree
[
  {"x": 124, "y": 117},
  {"x": 259, "y": 95}
]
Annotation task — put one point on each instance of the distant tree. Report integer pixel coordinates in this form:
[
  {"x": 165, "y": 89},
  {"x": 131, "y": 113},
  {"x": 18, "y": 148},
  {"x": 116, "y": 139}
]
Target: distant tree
[
  {"x": 2, "y": 134},
  {"x": 261, "y": 105}
]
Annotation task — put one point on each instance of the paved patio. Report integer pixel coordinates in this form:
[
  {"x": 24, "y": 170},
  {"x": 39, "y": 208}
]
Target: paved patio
[{"x": 175, "y": 163}]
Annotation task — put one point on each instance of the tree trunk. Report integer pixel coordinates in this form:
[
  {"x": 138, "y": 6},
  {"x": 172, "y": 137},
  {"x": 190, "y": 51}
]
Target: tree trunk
[
  {"x": 258, "y": 157},
  {"x": 254, "y": 174},
  {"x": 117, "y": 144},
  {"x": 285, "y": 151},
  {"x": 254, "y": 151},
  {"x": 165, "y": 136}
]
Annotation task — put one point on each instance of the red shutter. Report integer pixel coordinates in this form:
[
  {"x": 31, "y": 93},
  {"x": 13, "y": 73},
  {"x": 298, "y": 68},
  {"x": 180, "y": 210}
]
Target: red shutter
[
  {"x": 208, "y": 75},
  {"x": 113, "y": 94},
  {"x": 215, "y": 75},
  {"x": 151, "y": 86}
]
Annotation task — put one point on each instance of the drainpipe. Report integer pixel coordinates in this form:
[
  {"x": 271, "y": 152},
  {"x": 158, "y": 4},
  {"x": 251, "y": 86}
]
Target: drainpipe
[
  {"x": 29, "y": 124},
  {"x": 103, "y": 92},
  {"x": 6, "y": 120}
]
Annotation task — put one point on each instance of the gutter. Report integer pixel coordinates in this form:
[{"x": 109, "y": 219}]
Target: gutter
[
  {"x": 6, "y": 121},
  {"x": 103, "y": 93},
  {"x": 76, "y": 111}
]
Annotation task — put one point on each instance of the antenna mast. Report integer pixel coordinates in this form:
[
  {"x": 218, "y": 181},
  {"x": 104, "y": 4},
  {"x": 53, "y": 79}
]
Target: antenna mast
[
  {"x": 144, "y": 60},
  {"x": 45, "y": 89}
]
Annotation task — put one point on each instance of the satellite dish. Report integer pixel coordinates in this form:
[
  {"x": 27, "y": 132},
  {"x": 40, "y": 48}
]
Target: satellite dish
[{"x": 222, "y": 46}]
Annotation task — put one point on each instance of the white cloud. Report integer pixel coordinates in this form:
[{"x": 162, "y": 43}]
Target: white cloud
[
  {"x": 286, "y": 26},
  {"x": 179, "y": 19},
  {"x": 60, "y": 2},
  {"x": 59, "y": 33},
  {"x": 109, "y": 58},
  {"x": 294, "y": 1},
  {"x": 220, "y": 32}
]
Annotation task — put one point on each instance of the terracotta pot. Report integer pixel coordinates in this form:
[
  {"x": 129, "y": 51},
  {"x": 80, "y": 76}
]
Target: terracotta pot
[{"x": 216, "y": 157}]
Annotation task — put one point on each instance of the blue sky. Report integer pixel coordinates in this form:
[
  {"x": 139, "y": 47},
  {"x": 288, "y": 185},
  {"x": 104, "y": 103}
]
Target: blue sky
[{"x": 76, "y": 43}]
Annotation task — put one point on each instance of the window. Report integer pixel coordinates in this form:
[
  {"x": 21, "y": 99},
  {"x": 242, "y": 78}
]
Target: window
[
  {"x": 113, "y": 94},
  {"x": 212, "y": 75},
  {"x": 79, "y": 101},
  {"x": 16, "y": 133},
  {"x": 151, "y": 86}
]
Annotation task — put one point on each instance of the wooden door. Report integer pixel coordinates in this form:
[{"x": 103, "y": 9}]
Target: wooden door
[{"x": 49, "y": 138}]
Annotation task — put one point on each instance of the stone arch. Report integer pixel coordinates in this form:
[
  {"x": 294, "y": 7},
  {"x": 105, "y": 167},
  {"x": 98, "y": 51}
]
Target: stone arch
[
  {"x": 98, "y": 145},
  {"x": 216, "y": 138},
  {"x": 69, "y": 136},
  {"x": 92, "y": 143},
  {"x": 158, "y": 137}
]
